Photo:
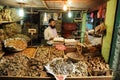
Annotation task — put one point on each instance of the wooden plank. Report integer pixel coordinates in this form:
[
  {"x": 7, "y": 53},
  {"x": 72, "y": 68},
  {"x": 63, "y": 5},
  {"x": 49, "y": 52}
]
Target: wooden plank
[
  {"x": 52, "y": 78},
  {"x": 54, "y": 0}
]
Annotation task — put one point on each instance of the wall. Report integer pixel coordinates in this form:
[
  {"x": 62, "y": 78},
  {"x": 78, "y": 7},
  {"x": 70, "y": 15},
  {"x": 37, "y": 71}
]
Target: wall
[
  {"x": 109, "y": 22},
  {"x": 116, "y": 28}
]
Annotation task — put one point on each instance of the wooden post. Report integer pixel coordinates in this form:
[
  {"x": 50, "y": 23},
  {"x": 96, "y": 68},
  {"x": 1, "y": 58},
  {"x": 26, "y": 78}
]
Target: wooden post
[{"x": 83, "y": 28}]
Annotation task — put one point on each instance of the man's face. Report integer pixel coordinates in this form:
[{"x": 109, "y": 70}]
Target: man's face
[{"x": 52, "y": 24}]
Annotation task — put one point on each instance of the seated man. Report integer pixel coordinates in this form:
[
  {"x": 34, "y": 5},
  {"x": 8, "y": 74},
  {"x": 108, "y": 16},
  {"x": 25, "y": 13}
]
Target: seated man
[{"x": 50, "y": 32}]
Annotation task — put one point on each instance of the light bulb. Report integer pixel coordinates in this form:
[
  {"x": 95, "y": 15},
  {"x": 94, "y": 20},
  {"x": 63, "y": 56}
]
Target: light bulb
[
  {"x": 69, "y": 14},
  {"x": 69, "y": 2},
  {"x": 21, "y": 12},
  {"x": 65, "y": 7}
]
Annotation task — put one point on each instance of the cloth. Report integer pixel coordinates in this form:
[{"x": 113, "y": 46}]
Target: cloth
[{"x": 49, "y": 33}]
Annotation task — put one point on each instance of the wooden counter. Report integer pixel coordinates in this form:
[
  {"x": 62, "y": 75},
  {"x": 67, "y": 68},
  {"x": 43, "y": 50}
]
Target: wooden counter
[{"x": 69, "y": 78}]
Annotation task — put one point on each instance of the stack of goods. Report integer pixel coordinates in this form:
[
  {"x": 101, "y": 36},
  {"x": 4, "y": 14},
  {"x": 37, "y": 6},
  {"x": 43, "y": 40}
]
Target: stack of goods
[
  {"x": 59, "y": 66},
  {"x": 70, "y": 42},
  {"x": 15, "y": 44},
  {"x": 12, "y": 29},
  {"x": 14, "y": 15},
  {"x": 5, "y": 15},
  {"x": 8, "y": 15},
  {"x": 22, "y": 36},
  {"x": 58, "y": 40}
]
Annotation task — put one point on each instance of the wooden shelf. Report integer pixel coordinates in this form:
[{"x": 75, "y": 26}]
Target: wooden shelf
[
  {"x": 2, "y": 22},
  {"x": 5, "y": 22},
  {"x": 52, "y": 78}
]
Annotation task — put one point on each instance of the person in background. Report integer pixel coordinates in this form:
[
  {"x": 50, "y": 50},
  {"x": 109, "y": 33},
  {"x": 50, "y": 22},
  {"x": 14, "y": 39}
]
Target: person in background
[{"x": 50, "y": 32}]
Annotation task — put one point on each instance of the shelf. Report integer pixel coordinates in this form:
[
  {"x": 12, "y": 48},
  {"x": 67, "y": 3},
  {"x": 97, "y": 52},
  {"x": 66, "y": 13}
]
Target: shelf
[
  {"x": 52, "y": 78},
  {"x": 5, "y": 22},
  {"x": 2, "y": 22}
]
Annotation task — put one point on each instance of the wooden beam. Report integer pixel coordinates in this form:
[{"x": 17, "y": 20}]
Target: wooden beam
[
  {"x": 54, "y": 0},
  {"x": 45, "y": 4}
]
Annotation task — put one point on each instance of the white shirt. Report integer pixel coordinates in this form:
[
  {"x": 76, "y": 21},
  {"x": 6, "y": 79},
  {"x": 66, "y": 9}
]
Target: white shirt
[{"x": 49, "y": 33}]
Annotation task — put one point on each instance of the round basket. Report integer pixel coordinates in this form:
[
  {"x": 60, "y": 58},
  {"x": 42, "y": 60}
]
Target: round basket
[
  {"x": 15, "y": 44},
  {"x": 74, "y": 56}
]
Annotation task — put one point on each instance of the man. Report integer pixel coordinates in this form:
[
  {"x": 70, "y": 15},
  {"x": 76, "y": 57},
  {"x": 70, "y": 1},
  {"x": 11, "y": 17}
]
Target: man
[{"x": 50, "y": 32}]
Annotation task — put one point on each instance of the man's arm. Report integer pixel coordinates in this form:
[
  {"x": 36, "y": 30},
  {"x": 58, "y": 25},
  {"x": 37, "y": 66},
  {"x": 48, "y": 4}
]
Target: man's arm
[{"x": 46, "y": 36}]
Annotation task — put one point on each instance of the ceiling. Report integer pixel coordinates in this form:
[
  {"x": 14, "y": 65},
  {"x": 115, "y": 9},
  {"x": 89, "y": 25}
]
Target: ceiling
[{"x": 54, "y": 4}]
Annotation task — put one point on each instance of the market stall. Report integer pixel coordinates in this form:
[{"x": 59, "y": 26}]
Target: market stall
[{"x": 76, "y": 54}]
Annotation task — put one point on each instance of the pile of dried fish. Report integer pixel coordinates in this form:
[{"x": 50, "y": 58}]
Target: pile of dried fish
[
  {"x": 59, "y": 66},
  {"x": 54, "y": 53},
  {"x": 13, "y": 65},
  {"x": 45, "y": 54},
  {"x": 80, "y": 69},
  {"x": 34, "y": 68},
  {"x": 42, "y": 54},
  {"x": 19, "y": 65}
]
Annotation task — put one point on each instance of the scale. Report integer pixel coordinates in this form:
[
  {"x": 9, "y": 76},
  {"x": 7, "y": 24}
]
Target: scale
[{"x": 32, "y": 32}]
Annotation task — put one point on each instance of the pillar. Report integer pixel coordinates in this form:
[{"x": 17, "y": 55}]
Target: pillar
[
  {"x": 109, "y": 22},
  {"x": 83, "y": 28}
]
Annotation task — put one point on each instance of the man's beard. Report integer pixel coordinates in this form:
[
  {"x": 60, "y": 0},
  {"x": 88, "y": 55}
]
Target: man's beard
[{"x": 52, "y": 27}]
